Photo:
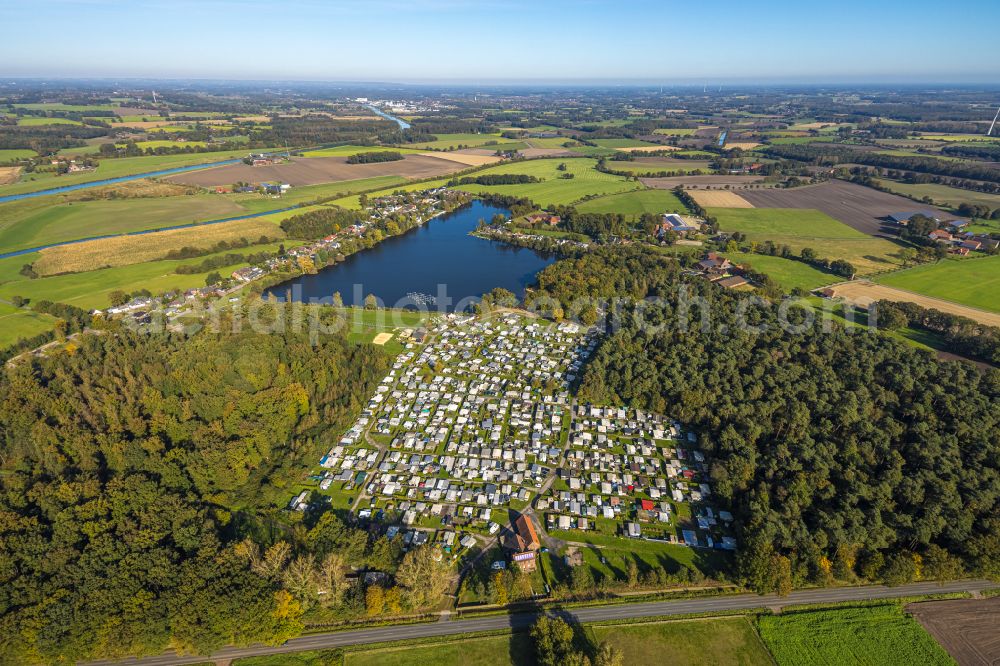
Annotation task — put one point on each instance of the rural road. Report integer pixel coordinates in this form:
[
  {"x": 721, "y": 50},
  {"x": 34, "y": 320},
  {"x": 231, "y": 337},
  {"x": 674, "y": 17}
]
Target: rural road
[{"x": 589, "y": 614}]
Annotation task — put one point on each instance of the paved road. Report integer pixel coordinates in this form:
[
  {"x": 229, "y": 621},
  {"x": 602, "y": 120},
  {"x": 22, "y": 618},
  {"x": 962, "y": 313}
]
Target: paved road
[{"x": 591, "y": 614}]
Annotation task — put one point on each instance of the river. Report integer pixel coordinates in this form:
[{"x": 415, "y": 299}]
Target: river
[
  {"x": 439, "y": 259},
  {"x": 403, "y": 125}
]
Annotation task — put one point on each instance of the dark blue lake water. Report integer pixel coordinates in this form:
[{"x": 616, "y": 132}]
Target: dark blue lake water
[{"x": 439, "y": 259}]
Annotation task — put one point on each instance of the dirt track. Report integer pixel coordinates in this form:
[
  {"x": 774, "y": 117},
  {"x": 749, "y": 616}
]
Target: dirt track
[
  {"x": 863, "y": 293},
  {"x": 315, "y": 170},
  {"x": 966, "y": 628},
  {"x": 857, "y": 206}
]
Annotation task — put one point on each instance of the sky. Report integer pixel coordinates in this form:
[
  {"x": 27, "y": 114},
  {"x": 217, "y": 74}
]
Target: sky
[{"x": 483, "y": 41}]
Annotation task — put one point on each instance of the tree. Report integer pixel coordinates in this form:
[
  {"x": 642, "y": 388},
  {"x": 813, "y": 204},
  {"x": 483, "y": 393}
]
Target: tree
[
  {"x": 117, "y": 298},
  {"x": 394, "y": 600},
  {"x": 907, "y": 255},
  {"x": 899, "y": 569},
  {"x": 608, "y": 655},
  {"x": 374, "y": 600},
  {"x": 338, "y": 300},
  {"x": 633, "y": 573},
  {"x": 553, "y": 640},
  {"x": 213, "y": 278},
  {"x": 498, "y": 586},
  {"x": 425, "y": 578},
  {"x": 371, "y": 302}
]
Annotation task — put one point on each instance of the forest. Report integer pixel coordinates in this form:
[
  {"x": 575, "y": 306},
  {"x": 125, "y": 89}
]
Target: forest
[
  {"x": 141, "y": 473},
  {"x": 846, "y": 455}
]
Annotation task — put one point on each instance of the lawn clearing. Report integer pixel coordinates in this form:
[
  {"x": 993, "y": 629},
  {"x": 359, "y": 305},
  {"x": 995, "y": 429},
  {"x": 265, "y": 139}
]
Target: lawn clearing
[
  {"x": 634, "y": 204},
  {"x": 719, "y": 199},
  {"x": 43, "y": 221},
  {"x": 39, "y": 122},
  {"x": 491, "y": 651},
  {"x": 124, "y": 250},
  {"x": 800, "y": 228},
  {"x": 689, "y": 642},
  {"x": 645, "y": 165},
  {"x": 972, "y": 282},
  {"x": 17, "y": 323},
  {"x": 789, "y": 273},
  {"x": 14, "y": 154},
  {"x": 873, "y": 635}
]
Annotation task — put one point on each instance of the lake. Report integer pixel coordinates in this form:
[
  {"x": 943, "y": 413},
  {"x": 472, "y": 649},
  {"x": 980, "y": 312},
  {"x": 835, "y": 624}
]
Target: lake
[{"x": 439, "y": 259}]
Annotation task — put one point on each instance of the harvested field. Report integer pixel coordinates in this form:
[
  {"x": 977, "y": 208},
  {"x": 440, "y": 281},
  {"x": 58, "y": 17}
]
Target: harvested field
[
  {"x": 9, "y": 175},
  {"x": 694, "y": 182},
  {"x": 966, "y": 628},
  {"x": 313, "y": 171},
  {"x": 857, "y": 206},
  {"x": 138, "y": 248},
  {"x": 719, "y": 199},
  {"x": 382, "y": 338},
  {"x": 468, "y": 159},
  {"x": 646, "y": 149},
  {"x": 742, "y": 145},
  {"x": 863, "y": 293},
  {"x": 547, "y": 152}
]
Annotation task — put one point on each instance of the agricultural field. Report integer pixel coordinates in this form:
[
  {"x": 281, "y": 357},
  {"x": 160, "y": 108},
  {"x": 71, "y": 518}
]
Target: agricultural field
[
  {"x": 453, "y": 141},
  {"x": 857, "y": 206},
  {"x": 125, "y": 250},
  {"x": 301, "y": 171},
  {"x": 863, "y": 292},
  {"x": 14, "y": 154},
  {"x": 707, "y": 641},
  {"x": 17, "y": 323},
  {"x": 553, "y": 190},
  {"x": 789, "y": 273},
  {"x": 878, "y": 634},
  {"x": 635, "y": 203},
  {"x": 972, "y": 282},
  {"x": 719, "y": 199},
  {"x": 257, "y": 203},
  {"x": 675, "y": 131},
  {"x": 90, "y": 290},
  {"x": 977, "y": 639},
  {"x": 697, "y": 182},
  {"x": 799, "y": 228},
  {"x": 144, "y": 145},
  {"x": 625, "y": 144},
  {"x": 943, "y": 194},
  {"x": 658, "y": 164},
  {"x": 346, "y": 151},
  {"x": 549, "y": 141},
  {"x": 38, "y": 122},
  {"x": 116, "y": 168},
  {"x": 36, "y": 222}
]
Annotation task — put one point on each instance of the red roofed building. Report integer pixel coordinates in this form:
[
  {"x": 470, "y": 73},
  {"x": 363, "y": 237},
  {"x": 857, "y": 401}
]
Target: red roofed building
[{"x": 646, "y": 505}]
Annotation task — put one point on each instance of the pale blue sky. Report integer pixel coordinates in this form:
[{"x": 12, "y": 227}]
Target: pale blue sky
[{"x": 480, "y": 41}]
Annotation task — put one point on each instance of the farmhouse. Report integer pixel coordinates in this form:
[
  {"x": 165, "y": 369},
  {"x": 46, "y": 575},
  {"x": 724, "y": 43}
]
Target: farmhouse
[
  {"x": 543, "y": 218},
  {"x": 732, "y": 282},
  {"x": 675, "y": 223}
]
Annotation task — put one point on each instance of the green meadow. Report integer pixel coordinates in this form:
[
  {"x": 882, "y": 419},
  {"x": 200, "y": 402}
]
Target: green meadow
[
  {"x": 880, "y": 634},
  {"x": 972, "y": 282},
  {"x": 452, "y": 141},
  {"x": 17, "y": 323},
  {"x": 789, "y": 273},
  {"x": 635, "y": 203},
  {"x": 38, "y": 122},
  {"x": 705, "y": 642},
  {"x": 14, "y": 154},
  {"x": 115, "y": 168},
  {"x": 90, "y": 290},
  {"x": 344, "y": 151},
  {"x": 621, "y": 143},
  {"x": 42, "y": 221},
  {"x": 799, "y": 228}
]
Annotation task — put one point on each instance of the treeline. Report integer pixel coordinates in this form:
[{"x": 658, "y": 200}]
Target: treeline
[
  {"x": 137, "y": 477},
  {"x": 190, "y": 252},
  {"x": 494, "y": 179},
  {"x": 833, "y": 155},
  {"x": 45, "y": 139},
  {"x": 963, "y": 336},
  {"x": 228, "y": 259},
  {"x": 986, "y": 151},
  {"x": 845, "y": 454},
  {"x": 374, "y": 156},
  {"x": 317, "y": 129},
  {"x": 518, "y": 206},
  {"x": 319, "y": 223}
]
